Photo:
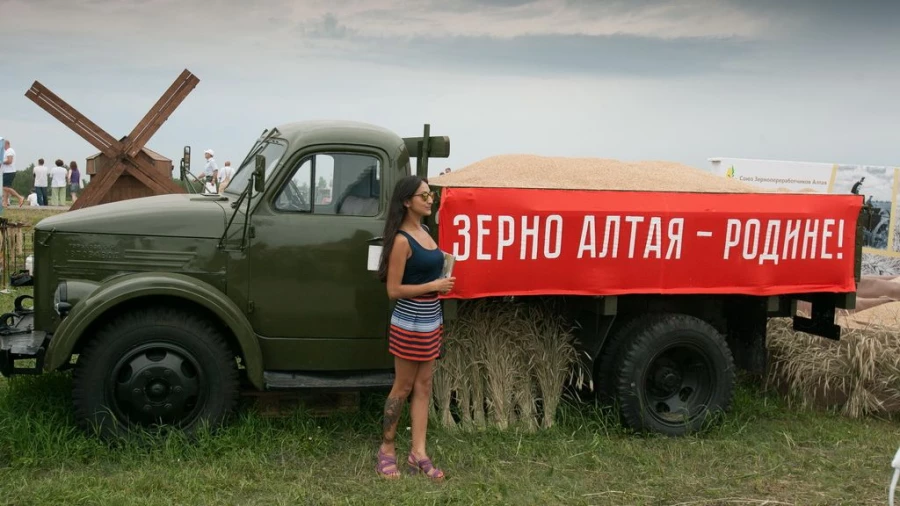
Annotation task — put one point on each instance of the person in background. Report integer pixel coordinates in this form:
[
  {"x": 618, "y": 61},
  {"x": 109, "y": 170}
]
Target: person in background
[
  {"x": 33, "y": 198},
  {"x": 74, "y": 180},
  {"x": 58, "y": 184},
  {"x": 225, "y": 175},
  {"x": 211, "y": 171},
  {"x": 9, "y": 174},
  {"x": 41, "y": 172}
]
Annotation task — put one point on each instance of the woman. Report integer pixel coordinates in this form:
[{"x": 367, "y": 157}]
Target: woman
[
  {"x": 411, "y": 266},
  {"x": 74, "y": 179}
]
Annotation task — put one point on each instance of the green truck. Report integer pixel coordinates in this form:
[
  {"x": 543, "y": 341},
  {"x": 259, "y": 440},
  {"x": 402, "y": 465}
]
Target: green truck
[{"x": 166, "y": 307}]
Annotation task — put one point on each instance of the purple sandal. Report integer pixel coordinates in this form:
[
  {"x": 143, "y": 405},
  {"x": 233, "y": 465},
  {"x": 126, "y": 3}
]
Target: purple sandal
[
  {"x": 425, "y": 466},
  {"x": 384, "y": 462}
]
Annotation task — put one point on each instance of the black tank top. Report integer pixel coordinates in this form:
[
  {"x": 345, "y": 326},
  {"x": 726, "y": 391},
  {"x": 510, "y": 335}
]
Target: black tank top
[{"x": 424, "y": 265}]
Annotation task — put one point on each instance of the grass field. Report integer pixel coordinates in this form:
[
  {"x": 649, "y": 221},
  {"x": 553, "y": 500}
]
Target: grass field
[{"x": 763, "y": 453}]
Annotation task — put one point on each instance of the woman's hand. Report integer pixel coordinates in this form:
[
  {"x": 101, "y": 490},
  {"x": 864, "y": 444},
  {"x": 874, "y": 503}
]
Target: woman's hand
[{"x": 444, "y": 285}]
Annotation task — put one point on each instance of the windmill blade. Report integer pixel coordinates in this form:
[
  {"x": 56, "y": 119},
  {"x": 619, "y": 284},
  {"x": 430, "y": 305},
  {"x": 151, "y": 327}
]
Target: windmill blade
[
  {"x": 164, "y": 107},
  {"x": 69, "y": 116},
  {"x": 99, "y": 186}
]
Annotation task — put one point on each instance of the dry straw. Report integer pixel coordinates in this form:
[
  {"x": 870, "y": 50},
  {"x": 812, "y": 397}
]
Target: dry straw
[
  {"x": 858, "y": 375},
  {"x": 506, "y": 363}
]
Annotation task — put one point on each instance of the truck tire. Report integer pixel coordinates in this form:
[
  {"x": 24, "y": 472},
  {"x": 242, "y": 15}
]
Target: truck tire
[
  {"x": 606, "y": 362},
  {"x": 673, "y": 374},
  {"x": 154, "y": 367}
]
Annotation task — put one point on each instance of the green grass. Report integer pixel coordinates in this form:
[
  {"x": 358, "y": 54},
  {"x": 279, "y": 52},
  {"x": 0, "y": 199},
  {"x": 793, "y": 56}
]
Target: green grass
[
  {"x": 29, "y": 215},
  {"x": 763, "y": 451}
]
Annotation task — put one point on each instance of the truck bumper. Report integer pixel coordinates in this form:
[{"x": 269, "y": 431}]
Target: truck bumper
[{"x": 20, "y": 342}]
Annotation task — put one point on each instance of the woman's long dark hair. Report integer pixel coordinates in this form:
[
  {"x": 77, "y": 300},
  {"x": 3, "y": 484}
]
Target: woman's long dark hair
[{"x": 405, "y": 190}]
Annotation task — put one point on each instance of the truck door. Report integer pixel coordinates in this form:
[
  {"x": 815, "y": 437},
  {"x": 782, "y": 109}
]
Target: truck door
[{"x": 315, "y": 303}]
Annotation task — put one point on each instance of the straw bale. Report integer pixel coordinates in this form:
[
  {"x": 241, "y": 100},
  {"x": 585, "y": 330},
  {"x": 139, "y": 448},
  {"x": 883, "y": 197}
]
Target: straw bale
[
  {"x": 506, "y": 363},
  {"x": 532, "y": 171},
  {"x": 859, "y": 375}
]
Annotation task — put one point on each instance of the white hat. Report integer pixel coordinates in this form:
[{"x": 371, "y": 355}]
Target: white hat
[{"x": 210, "y": 152}]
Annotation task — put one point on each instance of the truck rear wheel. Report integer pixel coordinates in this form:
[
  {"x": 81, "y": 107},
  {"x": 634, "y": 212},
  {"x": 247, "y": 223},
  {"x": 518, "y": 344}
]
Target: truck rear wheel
[
  {"x": 155, "y": 367},
  {"x": 673, "y": 373},
  {"x": 605, "y": 363}
]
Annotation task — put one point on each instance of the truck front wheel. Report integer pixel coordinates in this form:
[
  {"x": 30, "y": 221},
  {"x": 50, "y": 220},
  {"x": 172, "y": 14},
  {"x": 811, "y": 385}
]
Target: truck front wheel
[
  {"x": 154, "y": 367},
  {"x": 673, "y": 373}
]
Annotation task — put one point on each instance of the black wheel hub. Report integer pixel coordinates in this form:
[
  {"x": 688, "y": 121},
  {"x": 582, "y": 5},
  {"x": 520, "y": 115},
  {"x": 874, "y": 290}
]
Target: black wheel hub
[
  {"x": 667, "y": 379},
  {"x": 679, "y": 384},
  {"x": 158, "y": 383}
]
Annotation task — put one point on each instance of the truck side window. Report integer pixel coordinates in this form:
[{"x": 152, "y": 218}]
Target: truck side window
[
  {"x": 295, "y": 195},
  {"x": 334, "y": 183}
]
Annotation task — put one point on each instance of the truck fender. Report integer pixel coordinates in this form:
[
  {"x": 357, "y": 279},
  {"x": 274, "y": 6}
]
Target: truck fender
[{"x": 132, "y": 286}]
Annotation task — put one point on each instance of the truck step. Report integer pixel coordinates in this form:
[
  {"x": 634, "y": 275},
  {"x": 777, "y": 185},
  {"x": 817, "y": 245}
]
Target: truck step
[
  {"x": 277, "y": 380},
  {"x": 24, "y": 345},
  {"x": 19, "y": 342}
]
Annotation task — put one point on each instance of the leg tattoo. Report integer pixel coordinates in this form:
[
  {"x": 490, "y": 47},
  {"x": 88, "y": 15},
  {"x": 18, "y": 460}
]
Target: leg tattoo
[{"x": 392, "y": 408}]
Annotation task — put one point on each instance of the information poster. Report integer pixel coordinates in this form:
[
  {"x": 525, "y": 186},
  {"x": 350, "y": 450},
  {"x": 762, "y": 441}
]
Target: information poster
[{"x": 877, "y": 184}]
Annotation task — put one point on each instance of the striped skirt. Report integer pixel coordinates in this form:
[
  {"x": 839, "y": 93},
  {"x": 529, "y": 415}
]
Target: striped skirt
[{"x": 416, "y": 329}]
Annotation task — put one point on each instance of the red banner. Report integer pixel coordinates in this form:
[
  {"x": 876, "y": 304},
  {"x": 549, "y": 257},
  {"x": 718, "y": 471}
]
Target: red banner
[{"x": 510, "y": 241}]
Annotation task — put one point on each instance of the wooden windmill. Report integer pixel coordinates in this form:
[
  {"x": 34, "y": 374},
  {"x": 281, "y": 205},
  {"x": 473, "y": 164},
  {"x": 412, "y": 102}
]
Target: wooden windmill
[{"x": 124, "y": 168}]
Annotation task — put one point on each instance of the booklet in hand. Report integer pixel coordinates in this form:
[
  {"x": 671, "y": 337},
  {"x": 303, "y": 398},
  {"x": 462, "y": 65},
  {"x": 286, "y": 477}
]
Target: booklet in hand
[{"x": 449, "y": 260}]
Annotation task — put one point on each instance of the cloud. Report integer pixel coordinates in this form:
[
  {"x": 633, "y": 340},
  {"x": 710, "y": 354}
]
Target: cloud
[
  {"x": 635, "y": 79},
  {"x": 328, "y": 27},
  {"x": 514, "y": 18},
  {"x": 388, "y": 18},
  {"x": 518, "y": 37},
  {"x": 562, "y": 54}
]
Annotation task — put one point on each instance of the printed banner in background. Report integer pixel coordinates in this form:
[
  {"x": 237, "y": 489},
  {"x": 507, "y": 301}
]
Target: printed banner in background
[
  {"x": 877, "y": 184},
  {"x": 528, "y": 241}
]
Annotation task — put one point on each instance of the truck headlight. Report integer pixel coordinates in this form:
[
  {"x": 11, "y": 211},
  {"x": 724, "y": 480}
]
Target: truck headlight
[{"x": 61, "y": 299}]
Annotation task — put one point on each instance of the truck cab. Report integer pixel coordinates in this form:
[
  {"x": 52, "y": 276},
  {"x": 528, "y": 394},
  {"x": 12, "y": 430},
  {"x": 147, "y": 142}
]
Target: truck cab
[{"x": 163, "y": 305}]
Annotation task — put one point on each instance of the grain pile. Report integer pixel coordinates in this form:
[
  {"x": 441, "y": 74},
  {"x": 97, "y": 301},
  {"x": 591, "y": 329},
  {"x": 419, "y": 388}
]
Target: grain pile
[
  {"x": 504, "y": 365},
  {"x": 532, "y": 171},
  {"x": 858, "y": 375},
  {"x": 885, "y": 315}
]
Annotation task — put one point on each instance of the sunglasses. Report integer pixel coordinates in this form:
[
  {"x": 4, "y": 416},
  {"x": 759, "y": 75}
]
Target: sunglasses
[{"x": 426, "y": 195}]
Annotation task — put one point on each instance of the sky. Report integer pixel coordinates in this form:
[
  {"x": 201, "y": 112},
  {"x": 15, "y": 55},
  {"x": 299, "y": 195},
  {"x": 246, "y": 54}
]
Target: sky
[{"x": 807, "y": 80}]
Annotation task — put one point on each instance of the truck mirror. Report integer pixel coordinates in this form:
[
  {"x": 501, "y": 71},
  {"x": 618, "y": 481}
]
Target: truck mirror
[
  {"x": 184, "y": 165},
  {"x": 259, "y": 173}
]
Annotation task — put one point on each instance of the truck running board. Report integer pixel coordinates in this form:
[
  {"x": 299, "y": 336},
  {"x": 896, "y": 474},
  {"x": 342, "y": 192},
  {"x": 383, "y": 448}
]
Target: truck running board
[
  {"x": 18, "y": 341},
  {"x": 328, "y": 381}
]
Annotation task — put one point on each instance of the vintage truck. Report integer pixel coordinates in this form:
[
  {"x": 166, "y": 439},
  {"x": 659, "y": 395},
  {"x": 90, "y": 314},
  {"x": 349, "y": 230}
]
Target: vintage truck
[{"x": 166, "y": 307}]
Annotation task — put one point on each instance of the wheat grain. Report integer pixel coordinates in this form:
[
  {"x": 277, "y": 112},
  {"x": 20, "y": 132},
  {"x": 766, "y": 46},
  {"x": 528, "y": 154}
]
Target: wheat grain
[
  {"x": 531, "y": 171},
  {"x": 882, "y": 315}
]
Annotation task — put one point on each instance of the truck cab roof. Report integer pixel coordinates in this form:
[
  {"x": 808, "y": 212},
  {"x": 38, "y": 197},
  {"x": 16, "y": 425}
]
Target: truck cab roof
[{"x": 310, "y": 133}]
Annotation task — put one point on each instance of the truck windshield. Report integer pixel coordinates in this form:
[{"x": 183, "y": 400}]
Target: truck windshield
[{"x": 272, "y": 149}]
